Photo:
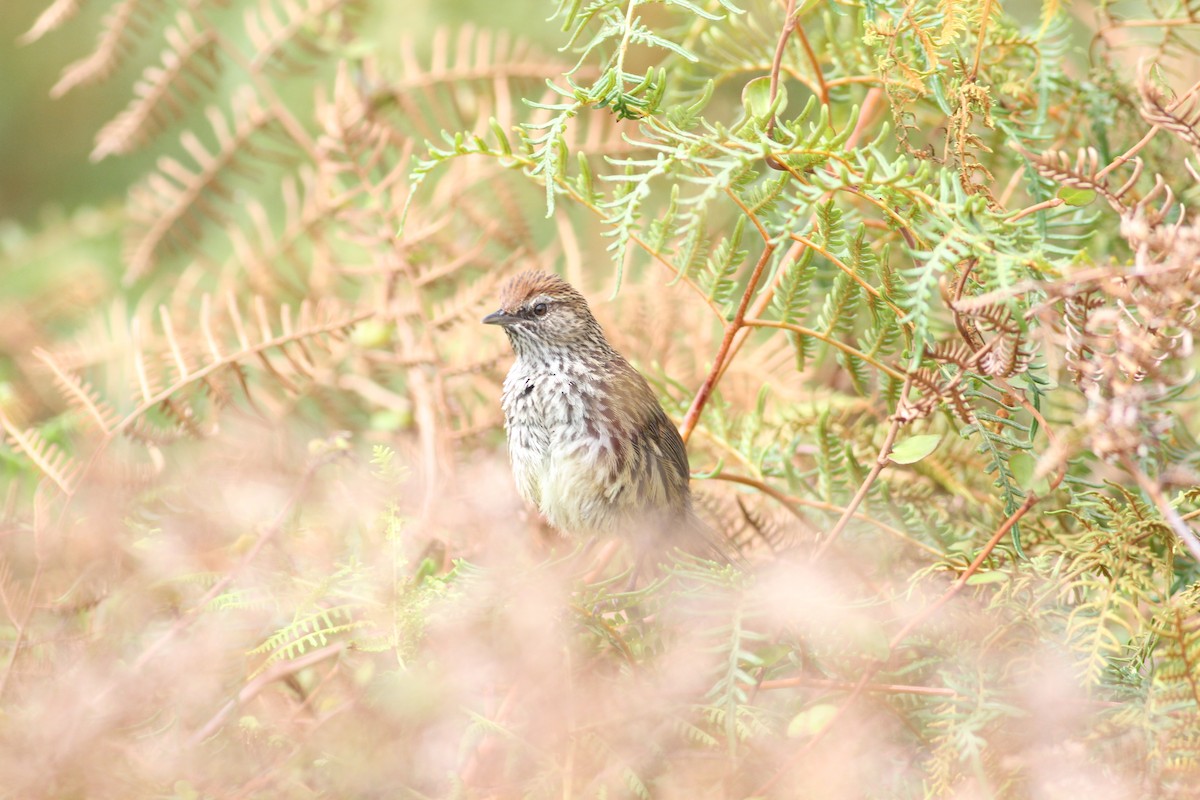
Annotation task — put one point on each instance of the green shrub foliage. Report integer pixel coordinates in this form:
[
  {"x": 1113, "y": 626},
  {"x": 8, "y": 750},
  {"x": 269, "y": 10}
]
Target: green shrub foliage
[{"x": 919, "y": 283}]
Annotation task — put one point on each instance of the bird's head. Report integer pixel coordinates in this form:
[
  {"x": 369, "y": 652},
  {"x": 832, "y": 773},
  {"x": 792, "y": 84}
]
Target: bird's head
[{"x": 540, "y": 312}]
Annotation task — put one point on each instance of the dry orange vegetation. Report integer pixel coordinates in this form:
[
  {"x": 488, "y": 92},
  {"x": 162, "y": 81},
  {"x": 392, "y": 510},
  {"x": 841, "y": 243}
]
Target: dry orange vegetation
[{"x": 918, "y": 282}]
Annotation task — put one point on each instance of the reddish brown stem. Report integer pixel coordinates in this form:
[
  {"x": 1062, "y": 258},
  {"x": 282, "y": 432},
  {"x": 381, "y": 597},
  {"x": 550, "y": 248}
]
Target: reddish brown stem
[
  {"x": 890, "y": 688},
  {"x": 899, "y": 638},
  {"x": 983, "y": 24},
  {"x": 1030, "y": 500},
  {"x": 1183, "y": 532},
  {"x": 777, "y": 63},
  {"x": 816, "y": 65},
  {"x": 881, "y": 461},
  {"x": 1053, "y": 202},
  {"x": 706, "y": 389}
]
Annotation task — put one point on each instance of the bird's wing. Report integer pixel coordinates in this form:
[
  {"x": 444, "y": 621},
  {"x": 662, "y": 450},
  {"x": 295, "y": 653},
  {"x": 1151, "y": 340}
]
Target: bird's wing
[{"x": 657, "y": 450}]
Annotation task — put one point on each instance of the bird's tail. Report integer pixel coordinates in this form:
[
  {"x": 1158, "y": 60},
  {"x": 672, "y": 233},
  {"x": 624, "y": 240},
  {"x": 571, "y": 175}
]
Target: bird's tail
[{"x": 688, "y": 534}]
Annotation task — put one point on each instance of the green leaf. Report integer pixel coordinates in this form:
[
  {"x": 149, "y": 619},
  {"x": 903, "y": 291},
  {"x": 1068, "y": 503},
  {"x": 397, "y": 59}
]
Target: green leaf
[
  {"x": 756, "y": 99},
  {"x": 1024, "y": 467},
  {"x": 372, "y": 333},
  {"x": 995, "y": 576},
  {"x": 1076, "y": 197},
  {"x": 914, "y": 448},
  {"x": 811, "y": 721}
]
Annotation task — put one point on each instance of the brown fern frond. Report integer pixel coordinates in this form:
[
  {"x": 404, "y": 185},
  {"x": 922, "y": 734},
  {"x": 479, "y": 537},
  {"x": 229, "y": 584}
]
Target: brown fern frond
[
  {"x": 127, "y": 19},
  {"x": 166, "y": 368},
  {"x": 79, "y": 394},
  {"x": 167, "y": 209},
  {"x": 281, "y": 29},
  {"x": 1153, "y": 209},
  {"x": 998, "y": 316},
  {"x": 159, "y": 96},
  {"x": 476, "y": 55},
  {"x": 1078, "y": 308},
  {"x": 53, "y": 17},
  {"x": 353, "y": 139},
  {"x": 217, "y": 388},
  {"x": 141, "y": 431},
  {"x": 187, "y": 420},
  {"x": 168, "y": 329},
  {"x": 958, "y": 353},
  {"x": 429, "y": 97},
  {"x": 935, "y": 389},
  {"x": 296, "y": 353},
  {"x": 49, "y": 458},
  {"x": 955, "y": 396},
  {"x": 1181, "y": 118},
  {"x": 1083, "y": 173},
  {"x": 1006, "y": 358},
  {"x": 147, "y": 384},
  {"x": 263, "y": 253}
]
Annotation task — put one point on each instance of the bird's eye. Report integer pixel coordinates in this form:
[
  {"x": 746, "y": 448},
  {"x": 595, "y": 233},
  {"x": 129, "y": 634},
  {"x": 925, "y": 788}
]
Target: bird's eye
[{"x": 540, "y": 310}]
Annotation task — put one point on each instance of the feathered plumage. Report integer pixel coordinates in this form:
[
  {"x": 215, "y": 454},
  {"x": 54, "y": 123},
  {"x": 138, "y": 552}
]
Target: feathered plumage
[{"x": 590, "y": 445}]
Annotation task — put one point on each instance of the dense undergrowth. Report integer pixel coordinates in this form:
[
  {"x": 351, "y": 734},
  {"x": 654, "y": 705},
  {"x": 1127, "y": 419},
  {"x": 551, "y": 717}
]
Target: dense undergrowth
[{"x": 918, "y": 282}]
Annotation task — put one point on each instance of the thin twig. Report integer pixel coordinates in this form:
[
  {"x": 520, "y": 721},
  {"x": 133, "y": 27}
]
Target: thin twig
[
  {"x": 889, "y": 688},
  {"x": 789, "y": 22},
  {"x": 881, "y": 461},
  {"x": 710, "y": 382},
  {"x": 790, "y": 501},
  {"x": 984, "y": 17},
  {"x": 1053, "y": 202},
  {"x": 858, "y": 688},
  {"x": 823, "y": 94},
  {"x": 256, "y": 686},
  {"x": 1150, "y": 134},
  {"x": 1183, "y": 531}
]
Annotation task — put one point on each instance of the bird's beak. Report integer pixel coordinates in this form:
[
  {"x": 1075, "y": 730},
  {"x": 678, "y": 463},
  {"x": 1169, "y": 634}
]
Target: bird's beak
[{"x": 500, "y": 318}]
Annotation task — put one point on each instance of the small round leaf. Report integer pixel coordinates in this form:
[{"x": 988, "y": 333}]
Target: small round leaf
[{"x": 914, "y": 448}]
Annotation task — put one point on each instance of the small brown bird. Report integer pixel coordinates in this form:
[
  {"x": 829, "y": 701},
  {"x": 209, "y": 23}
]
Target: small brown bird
[{"x": 590, "y": 445}]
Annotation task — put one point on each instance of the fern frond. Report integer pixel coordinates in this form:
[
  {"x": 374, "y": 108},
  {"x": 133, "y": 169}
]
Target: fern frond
[
  {"x": 53, "y": 17},
  {"x": 1174, "y": 703},
  {"x": 265, "y": 253},
  {"x": 719, "y": 272},
  {"x": 937, "y": 390},
  {"x": 160, "y": 93},
  {"x": 309, "y": 630},
  {"x": 122, "y": 23},
  {"x": 80, "y": 394},
  {"x": 1083, "y": 173},
  {"x": 1182, "y": 119},
  {"x": 165, "y": 369},
  {"x": 168, "y": 208},
  {"x": 49, "y": 458},
  {"x": 925, "y": 277},
  {"x": 282, "y": 29}
]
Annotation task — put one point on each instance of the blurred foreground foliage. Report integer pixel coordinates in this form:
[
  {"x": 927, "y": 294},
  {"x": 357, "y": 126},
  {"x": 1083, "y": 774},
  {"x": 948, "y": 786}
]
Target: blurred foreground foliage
[{"x": 918, "y": 281}]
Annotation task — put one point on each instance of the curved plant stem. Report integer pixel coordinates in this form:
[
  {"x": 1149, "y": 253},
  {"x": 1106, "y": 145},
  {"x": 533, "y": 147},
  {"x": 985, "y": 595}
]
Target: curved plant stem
[
  {"x": 829, "y": 340},
  {"x": 860, "y": 686},
  {"x": 732, "y": 327},
  {"x": 881, "y": 461},
  {"x": 791, "y": 501},
  {"x": 1183, "y": 532}
]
